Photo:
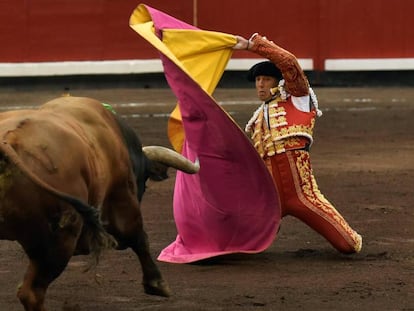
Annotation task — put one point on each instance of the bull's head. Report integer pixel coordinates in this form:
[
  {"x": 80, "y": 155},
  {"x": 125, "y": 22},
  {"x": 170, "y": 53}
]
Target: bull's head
[
  {"x": 156, "y": 159},
  {"x": 155, "y": 163}
]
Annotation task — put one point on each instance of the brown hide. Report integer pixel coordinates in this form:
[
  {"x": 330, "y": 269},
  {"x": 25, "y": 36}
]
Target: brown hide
[
  {"x": 73, "y": 144},
  {"x": 60, "y": 164}
]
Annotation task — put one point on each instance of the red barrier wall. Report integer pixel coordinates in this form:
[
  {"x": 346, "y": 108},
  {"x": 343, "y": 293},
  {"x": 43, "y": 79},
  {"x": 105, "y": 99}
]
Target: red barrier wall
[{"x": 67, "y": 30}]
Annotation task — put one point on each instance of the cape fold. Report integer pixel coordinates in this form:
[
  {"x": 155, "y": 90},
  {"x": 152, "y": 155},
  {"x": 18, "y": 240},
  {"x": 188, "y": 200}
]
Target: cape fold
[{"x": 231, "y": 205}]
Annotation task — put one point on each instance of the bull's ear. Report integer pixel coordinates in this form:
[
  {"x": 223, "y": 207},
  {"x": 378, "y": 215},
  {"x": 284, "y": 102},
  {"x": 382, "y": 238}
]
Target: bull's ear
[{"x": 158, "y": 171}]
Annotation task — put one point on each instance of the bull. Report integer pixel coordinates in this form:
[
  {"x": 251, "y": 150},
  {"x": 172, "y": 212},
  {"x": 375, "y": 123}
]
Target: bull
[{"x": 72, "y": 176}]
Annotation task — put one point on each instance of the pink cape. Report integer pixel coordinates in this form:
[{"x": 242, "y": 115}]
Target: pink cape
[{"x": 231, "y": 205}]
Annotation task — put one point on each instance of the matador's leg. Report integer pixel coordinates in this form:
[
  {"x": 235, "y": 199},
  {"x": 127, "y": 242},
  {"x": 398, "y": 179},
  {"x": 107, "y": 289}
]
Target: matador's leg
[{"x": 303, "y": 200}]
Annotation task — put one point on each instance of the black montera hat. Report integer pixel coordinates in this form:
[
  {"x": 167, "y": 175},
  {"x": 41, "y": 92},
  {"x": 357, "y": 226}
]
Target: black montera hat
[{"x": 265, "y": 68}]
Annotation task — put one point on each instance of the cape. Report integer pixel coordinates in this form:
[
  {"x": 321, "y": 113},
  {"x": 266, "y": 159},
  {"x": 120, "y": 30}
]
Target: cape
[{"x": 231, "y": 205}]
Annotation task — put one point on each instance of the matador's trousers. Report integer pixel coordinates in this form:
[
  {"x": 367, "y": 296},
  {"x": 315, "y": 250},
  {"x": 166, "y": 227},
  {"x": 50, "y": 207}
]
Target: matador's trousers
[{"x": 301, "y": 198}]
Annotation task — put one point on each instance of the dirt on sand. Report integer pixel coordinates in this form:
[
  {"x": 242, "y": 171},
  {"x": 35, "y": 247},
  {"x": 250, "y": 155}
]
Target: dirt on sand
[{"x": 363, "y": 160}]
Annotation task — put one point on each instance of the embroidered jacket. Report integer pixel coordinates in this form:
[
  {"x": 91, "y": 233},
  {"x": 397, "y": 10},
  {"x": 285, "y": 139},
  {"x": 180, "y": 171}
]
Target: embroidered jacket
[
  {"x": 278, "y": 125},
  {"x": 285, "y": 128}
]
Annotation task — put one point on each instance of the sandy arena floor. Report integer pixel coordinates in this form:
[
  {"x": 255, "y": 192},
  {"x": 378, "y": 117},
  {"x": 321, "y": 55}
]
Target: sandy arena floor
[{"x": 363, "y": 158}]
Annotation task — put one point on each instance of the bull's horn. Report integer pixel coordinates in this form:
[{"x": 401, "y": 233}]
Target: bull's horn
[{"x": 171, "y": 158}]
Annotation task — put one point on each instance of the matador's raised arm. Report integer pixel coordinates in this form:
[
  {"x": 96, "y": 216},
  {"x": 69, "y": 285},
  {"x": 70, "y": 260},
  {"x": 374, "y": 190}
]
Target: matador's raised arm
[{"x": 296, "y": 82}]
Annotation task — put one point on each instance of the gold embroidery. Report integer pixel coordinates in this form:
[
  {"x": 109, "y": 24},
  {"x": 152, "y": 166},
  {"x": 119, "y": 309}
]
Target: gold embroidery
[
  {"x": 311, "y": 197},
  {"x": 292, "y": 141},
  {"x": 279, "y": 137}
]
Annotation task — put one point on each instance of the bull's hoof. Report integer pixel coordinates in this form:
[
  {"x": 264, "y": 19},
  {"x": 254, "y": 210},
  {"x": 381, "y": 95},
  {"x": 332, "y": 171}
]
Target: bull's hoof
[{"x": 157, "y": 287}]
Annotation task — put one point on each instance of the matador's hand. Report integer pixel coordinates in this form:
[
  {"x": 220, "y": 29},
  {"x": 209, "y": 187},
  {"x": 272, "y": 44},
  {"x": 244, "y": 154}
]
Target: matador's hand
[{"x": 242, "y": 43}]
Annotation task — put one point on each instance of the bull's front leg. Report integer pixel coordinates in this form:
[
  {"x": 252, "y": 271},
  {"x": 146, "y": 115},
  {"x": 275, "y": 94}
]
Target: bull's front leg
[
  {"x": 153, "y": 282},
  {"x": 123, "y": 220}
]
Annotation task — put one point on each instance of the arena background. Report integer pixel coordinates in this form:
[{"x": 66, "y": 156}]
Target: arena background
[
  {"x": 362, "y": 156},
  {"x": 346, "y": 42}
]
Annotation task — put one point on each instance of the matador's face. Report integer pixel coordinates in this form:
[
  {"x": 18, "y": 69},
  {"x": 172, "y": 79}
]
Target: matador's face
[{"x": 263, "y": 86}]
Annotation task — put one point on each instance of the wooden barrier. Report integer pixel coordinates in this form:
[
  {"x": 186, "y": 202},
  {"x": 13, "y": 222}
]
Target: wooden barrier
[{"x": 94, "y": 35}]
